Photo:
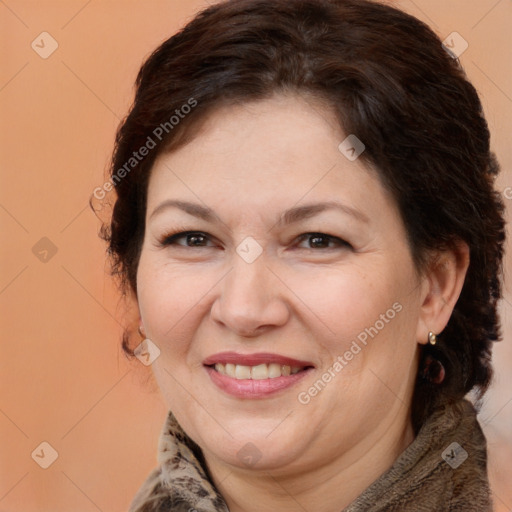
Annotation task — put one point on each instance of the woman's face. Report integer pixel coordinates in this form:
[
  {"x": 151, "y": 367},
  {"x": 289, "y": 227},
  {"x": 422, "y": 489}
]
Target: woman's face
[{"x": 287, "y": 320}]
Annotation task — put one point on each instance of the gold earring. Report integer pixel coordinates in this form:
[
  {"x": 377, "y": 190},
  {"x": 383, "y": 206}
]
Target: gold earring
[{"x": 432, "y": 338}]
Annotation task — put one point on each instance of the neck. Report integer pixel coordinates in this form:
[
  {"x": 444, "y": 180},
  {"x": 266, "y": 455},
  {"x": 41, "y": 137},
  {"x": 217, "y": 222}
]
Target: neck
[{"x": 327, "y": 488}]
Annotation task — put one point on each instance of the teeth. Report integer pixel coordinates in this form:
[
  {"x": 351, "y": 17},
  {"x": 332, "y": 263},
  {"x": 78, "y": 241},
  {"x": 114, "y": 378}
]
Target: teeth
[
  {"x": 274, "y": 370},
  {"x": 259, "y": 372},
  {"x": 230, "y": 370},
  {"x": 242, "y": 372}
]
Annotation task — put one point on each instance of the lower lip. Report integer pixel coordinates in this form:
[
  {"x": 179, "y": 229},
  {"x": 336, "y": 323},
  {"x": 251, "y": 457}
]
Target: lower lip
[{"x": 249, "y": 388}]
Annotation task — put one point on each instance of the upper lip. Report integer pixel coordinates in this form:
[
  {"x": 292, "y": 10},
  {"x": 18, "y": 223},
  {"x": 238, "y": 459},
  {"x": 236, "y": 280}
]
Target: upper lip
[{"x": 254, "y": 359}]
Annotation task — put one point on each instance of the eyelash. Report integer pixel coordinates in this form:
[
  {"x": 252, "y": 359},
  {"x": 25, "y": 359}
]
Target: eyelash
[{"x": 171, "y": 238}]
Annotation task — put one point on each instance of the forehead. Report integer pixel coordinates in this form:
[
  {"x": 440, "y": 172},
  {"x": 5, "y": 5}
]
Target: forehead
[{"x": 269, "y": 153}]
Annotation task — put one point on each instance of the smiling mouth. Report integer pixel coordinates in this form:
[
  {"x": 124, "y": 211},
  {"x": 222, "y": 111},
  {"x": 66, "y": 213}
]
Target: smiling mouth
[{"x": 258, "y": 372}]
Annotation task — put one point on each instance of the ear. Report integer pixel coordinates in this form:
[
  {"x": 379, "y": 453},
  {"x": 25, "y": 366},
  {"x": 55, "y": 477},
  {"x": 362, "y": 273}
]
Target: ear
[
  {"x": 132, "y": 312},
  {"x": 443, "y": 283}
]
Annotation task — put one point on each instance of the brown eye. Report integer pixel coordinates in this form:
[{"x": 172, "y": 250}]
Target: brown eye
[
  {"x": 322, "y": 241},
  {"x": 188, "y": 239},
  {"x": 196, "y": 240},
  {"x": 319, "y": 241}
]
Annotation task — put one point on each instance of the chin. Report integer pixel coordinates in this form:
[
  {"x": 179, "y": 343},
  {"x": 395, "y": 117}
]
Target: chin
[{"x": 253, "y": 446}]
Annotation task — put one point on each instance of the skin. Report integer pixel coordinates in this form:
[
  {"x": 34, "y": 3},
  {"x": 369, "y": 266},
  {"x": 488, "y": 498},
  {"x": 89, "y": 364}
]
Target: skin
[{"x": 304, "y": 298}]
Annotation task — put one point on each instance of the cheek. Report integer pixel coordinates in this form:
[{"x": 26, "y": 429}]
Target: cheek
[
  {"x": 364, "y": 318},
  {"x": 169, "y": 297},
  {"x": 344, "y": 302},
  {"x": 171, "y": 303}
]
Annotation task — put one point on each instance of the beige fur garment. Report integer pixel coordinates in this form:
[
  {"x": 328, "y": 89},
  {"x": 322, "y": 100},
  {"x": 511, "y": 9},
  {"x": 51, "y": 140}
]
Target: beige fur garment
[{"x": 443, "y": 470}]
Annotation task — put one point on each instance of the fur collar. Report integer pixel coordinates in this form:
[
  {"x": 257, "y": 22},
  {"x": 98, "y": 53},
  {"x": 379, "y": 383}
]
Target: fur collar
[{"x": 432, "y": 474}]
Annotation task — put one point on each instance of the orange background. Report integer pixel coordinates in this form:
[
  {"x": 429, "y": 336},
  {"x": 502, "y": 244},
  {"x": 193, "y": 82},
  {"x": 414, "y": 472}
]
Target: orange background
[{"x": 63, "y": 378}]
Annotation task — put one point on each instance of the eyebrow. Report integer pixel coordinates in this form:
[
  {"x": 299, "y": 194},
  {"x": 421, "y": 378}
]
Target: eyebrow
[
  {"x": 291, "y": 216},
  {"x": 194, "y": 209},
  {"x": 310, "y": 210}
]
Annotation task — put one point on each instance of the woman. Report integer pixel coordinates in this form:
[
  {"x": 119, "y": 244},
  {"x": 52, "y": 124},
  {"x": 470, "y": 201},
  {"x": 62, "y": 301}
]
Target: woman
[{"x": 305, "y": 219}]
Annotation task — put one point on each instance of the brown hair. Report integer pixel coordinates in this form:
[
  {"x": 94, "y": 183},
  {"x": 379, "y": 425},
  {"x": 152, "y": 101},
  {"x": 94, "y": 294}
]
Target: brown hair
[{"x": 390, "y": 81}]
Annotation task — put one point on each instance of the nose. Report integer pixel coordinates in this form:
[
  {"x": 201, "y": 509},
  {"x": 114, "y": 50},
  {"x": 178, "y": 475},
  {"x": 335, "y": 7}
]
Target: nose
[{"x": 251, "y": 299}]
